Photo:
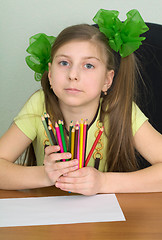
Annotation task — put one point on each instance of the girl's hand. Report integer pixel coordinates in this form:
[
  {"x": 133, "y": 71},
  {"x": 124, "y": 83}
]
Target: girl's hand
[
  {"x": 87, "y": 181},
  {"x": 52, "y": 165}
]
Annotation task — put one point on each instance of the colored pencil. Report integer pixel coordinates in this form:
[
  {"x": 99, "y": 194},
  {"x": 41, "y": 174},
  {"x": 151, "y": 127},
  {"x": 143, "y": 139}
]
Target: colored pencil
[
  {"x": 72, "y": 142},
  {"x": 70, "y": 128},
  {"x": 85, "y": 129},
  {"x": 59, "y": 138},
  {"x": 46, "y": 129},
  {"x": 46, "y": 118},
  {"x": 52, "y": 135},
  {"x": 94, "y": 145},
  {"x": 60, "y": 123},
  {"x": 50, "y": 124},
  {"x": 77, "y": 123},
  {"x": 76, "y": 142},
  {"x": 78, "y": 146},
  {"x": 81, "y": 144},
  {"x": 86, "y": 144}
]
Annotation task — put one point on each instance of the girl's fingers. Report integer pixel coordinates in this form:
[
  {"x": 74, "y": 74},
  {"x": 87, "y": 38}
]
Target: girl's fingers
[
  {"x": 65, "y": 186},
  {"x": 66, "y": 170},
  {"x": 53, "y": 157},
  {"x": 71, "y": 187},
  {"x": 84, "y": 181},
  {"x": 66, "y": 164},
  {"x": 59, "y": 166},
  {"x": 77, "y": 174},
  {"x": 52, "y": 149},
  {"x": 69, "y": 180}
]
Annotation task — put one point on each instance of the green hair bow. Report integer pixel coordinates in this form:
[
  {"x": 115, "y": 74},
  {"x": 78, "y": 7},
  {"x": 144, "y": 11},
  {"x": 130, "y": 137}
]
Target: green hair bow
[
  {"x": 40, "y": 50},
  {"x": 123, "y": 37}
]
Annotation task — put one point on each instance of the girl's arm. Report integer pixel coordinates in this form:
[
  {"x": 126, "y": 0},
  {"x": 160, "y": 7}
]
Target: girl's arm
[
  {"x": 148, "y": 143},
  {"x": 13, "y": 176}
]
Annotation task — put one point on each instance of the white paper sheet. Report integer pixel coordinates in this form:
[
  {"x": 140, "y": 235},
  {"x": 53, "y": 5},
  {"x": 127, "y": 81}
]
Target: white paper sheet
[{"x": 59, "y": 210}]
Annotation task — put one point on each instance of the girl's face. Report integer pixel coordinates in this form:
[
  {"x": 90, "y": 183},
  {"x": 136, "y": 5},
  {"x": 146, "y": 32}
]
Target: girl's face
[{"x": 78, "y": 74}]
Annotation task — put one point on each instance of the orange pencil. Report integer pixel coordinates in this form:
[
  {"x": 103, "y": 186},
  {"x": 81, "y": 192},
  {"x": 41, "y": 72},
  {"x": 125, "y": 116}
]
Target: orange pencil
[
  {"x": 50, "y": 124},
  {"x": 72, "y": 143}
]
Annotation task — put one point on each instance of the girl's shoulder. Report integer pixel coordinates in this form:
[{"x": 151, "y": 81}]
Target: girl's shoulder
[
  {"x": 37, "y": 96},
  {"x": 34, "y": 105},
  {"x": 29, "y": 117},
  {"x": 36, "y": 102}
]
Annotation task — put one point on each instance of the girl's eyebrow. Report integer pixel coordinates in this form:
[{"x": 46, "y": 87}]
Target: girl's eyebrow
[
  {"x": 92, "y": 57},
  {"x": 62, "y": 55},
  {"x": 88, "y": 57}
]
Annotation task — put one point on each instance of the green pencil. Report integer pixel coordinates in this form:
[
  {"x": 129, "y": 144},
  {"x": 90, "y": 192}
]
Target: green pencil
[
  {"x": 62, "y": 136},
  {"x": 46, "y": 129}
]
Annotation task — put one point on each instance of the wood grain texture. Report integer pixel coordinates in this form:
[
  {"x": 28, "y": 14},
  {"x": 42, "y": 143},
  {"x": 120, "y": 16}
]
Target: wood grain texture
[{"x": 143, "y": 213}]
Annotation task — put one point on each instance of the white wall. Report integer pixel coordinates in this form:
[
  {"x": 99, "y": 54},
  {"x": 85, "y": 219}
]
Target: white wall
[{"x": 20, "y": 19}]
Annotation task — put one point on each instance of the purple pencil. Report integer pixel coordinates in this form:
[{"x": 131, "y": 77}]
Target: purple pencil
[{"x": 76, "y": 142}]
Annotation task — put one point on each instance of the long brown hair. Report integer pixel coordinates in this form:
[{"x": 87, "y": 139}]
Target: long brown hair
[{"x": 117, "y": 105}]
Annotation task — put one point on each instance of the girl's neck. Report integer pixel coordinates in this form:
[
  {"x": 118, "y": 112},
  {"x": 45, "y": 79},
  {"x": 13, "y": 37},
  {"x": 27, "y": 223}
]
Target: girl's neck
[{"x": 76, "y": 114}]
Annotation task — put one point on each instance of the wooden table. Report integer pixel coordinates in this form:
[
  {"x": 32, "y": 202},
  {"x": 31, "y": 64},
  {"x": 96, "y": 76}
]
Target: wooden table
[{"x": 143, "y": 213}]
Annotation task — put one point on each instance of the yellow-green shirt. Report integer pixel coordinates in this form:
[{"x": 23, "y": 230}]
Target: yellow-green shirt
[{"x": 29, "y": 122}]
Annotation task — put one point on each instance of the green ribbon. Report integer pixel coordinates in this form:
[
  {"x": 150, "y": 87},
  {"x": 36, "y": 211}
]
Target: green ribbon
[
  {"x": 40, "y": 53},
  {"x": 123, "y": 37}
]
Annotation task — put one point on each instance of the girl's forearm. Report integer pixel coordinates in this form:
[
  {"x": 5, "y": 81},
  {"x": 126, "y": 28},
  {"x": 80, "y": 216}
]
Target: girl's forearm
[
  {"x": 16, "y": 177},
  {"x": 145, "y": 180}
]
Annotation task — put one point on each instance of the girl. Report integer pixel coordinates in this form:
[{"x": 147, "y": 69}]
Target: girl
[{"x": 86, "y": 80}]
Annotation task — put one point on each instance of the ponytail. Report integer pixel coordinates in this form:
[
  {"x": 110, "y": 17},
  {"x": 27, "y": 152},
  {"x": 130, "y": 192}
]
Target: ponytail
[
  {"x": 51, "y": 100},
  {"x": 118, "y": 105}
]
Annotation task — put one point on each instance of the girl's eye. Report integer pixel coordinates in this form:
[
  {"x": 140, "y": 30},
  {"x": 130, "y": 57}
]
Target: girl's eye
[
  {"x": 64, "y": 63},
  {"x": 89, "y": 66}
]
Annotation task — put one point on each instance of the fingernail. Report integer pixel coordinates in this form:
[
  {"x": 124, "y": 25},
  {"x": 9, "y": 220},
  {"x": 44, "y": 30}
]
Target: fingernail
[
  {"x": 57, "y": 185},
  {"x": 68, "y": 155},
  {"x": 75, "y": 167},
  {"x": 57, "y": 148}
]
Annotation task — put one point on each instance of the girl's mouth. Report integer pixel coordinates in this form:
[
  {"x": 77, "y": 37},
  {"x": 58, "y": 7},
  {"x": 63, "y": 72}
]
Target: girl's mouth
[{"x": 72, "y": 90}]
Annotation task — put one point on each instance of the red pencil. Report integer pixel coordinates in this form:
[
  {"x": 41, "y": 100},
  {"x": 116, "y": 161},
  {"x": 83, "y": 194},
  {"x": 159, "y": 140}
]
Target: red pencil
[{"x": 94, "y": 145}]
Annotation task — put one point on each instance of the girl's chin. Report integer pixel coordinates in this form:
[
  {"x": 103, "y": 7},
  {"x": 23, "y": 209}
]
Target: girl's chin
[{"x": 72, "y": 104}]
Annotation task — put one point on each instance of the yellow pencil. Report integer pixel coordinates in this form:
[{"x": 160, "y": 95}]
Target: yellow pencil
[
  {"x": 81, "y": 144},
  {"x": 72, "y": 142}
]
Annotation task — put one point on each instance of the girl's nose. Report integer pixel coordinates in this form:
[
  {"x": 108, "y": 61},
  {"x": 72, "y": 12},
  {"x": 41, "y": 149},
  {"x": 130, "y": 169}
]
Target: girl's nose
[
  {"x": 73, "y": 78},
  {"x": 73, "y": 74}
]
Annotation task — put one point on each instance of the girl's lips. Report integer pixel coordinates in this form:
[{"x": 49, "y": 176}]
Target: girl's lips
[{"x": 72, "y": 90}]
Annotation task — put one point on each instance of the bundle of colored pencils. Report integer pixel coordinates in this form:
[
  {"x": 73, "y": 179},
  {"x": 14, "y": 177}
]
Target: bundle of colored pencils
[{"x": 77, "y": 139}]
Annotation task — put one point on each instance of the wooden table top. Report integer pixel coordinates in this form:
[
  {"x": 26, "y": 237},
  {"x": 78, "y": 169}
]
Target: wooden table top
[{"x": 143, "y": 213}]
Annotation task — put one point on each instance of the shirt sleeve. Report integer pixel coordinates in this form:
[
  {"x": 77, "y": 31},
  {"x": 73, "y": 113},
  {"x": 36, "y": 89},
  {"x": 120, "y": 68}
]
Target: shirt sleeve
[
  {"x": 138, "y": 118},
  {"x": 29, "y": 116}
]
